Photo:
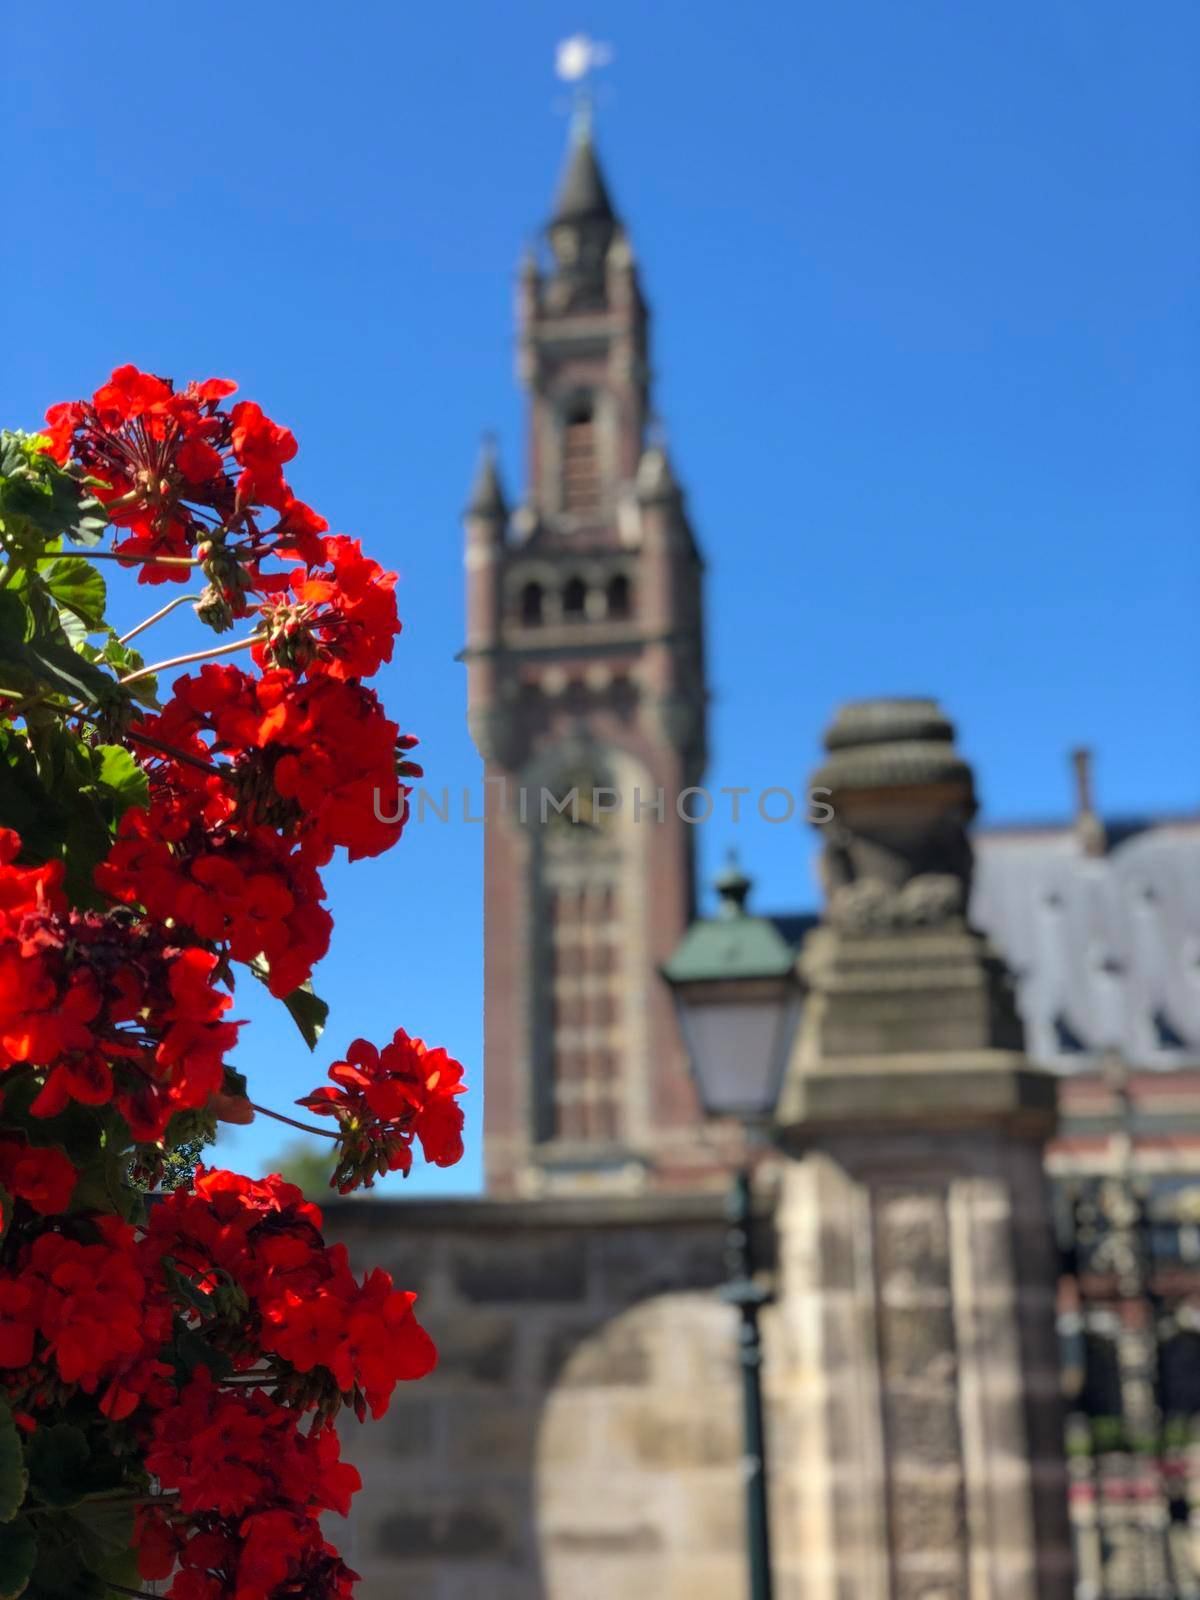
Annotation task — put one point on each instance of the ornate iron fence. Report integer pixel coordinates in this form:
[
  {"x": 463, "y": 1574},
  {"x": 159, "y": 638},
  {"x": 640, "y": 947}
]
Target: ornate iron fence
[{"x": 1130, "y": 1326}]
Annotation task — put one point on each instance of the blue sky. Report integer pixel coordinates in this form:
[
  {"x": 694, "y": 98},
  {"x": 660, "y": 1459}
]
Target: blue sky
[{"x": 926, "y": 340}]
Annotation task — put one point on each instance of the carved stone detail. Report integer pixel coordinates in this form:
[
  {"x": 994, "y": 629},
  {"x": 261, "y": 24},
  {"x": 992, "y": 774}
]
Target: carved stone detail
[{"x": 930, "y": 900}]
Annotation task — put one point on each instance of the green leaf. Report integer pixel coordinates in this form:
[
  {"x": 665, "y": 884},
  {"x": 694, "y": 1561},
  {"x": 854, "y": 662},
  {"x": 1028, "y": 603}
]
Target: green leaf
[
  {"x": 308, "y": 1011},
  {"x": 183, "y": 1289},
  {"x": 40, "y": 500},
  {"x": 25, "y": 804},
  {"x": 76, "y": 1130},
  {"x": 74, "y": 631},
  {"x": 120, "y": 773},
  {"x": 14, "y": 1479},
  {"x": 104, "y": 1183},
  {"x": 58, "y": 1459},
  {"x": 79, "y": 588},
  {"x": 18, "y": 1553},
  {"x": 68, "y": 799},
  {"x": 193, "y": 1350},
  {"x": 124, "y": 659},
  {"x": 102, "y": 1534},
  {"x": 41, "y": 660},
  {"x": 62, "y": 1570}
]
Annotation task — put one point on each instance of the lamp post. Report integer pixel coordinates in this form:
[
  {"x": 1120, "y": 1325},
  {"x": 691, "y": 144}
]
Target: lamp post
[{"x": 738, "y": 999}]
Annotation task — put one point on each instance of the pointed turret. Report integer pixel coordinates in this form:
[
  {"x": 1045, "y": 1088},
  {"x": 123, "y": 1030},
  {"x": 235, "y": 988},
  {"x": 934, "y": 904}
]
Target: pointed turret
[{"x": 487, "y": 492}]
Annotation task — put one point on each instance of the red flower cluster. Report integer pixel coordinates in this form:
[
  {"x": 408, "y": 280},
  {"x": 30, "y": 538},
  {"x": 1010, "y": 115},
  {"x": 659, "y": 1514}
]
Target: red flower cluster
[
  {"x": 43, "y": 1178},
  {"x": 256, "y": 1485},
  {"x": 177, "y": 472},
  {"x": 102, "y": 1009},
  {"x": 193, "y": 858},
  {"x": 383, "y": 1100},
  {"x": 267, "y": 1555},
  {"x": 341, "y": 619},
  {"x": 238, "y": 1452},
  {"x": 316, "y": 757},
  {"x": 85, "y": 1300},
  {"x": 305, "y": 1306}
]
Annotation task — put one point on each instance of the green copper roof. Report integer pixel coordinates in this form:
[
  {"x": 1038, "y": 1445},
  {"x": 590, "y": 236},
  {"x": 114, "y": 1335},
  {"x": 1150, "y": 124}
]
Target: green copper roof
[{"x": 733, "y": 944}]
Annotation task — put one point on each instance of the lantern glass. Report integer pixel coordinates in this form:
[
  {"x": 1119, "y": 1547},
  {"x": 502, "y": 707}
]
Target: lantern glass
[{"x": 738, "y": 1043}]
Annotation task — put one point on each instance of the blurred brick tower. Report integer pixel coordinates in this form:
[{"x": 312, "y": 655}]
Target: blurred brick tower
[{"x": 586, "y": 692}]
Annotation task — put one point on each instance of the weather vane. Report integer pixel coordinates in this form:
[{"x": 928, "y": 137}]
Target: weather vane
[{"x": 575, "y": 59}]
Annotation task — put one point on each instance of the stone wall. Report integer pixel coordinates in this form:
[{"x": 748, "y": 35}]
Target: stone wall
[{"x": 581, "y": 1437}]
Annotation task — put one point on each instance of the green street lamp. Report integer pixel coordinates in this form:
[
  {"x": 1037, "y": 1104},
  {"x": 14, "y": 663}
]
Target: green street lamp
[{"x": 738, "y": 997}]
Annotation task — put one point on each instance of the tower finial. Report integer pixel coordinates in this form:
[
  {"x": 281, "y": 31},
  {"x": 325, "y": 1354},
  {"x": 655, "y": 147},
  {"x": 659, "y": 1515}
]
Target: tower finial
[
  {"x": 732, "y": 886},
  {"x": 575, "y": 59}
]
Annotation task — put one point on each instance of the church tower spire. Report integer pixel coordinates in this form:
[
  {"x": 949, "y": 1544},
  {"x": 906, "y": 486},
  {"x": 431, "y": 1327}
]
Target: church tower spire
[
  {"x": 587, "y": 702},
  {"x": 583, "y": 224}
]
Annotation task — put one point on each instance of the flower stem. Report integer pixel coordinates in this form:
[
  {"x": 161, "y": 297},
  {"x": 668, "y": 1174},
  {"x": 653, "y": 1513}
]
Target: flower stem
[
  {"x": 178, "y": 755},
  {"x": 130, "y": 561},
  {"x": 170, "y": 606},
  {"x": 196, "y": 655},
  {"x": 163, "y": 749},
  {"x": 305, "y": 1127}
]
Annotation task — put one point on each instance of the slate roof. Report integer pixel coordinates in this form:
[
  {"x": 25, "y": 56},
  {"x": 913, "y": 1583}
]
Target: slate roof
[
  {"x": 582, "y": 193},
  {"x": 1105, "y": 949}
]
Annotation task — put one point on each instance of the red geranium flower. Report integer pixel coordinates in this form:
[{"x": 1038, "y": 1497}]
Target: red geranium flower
[
  {"x": 383, "y": 1099},
  {"x": 43, "y": 1177}
]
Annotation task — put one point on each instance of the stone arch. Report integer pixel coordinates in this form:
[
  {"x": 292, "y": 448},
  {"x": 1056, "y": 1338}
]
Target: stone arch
[
  {"x": 584, "y": 1354},
  {"x": 531, "y": 606},
  {"x": 637, "y": 1467},
  {"x": 618, "y": 596},
  {"x": 575, "y": 598},
  {"x": 521, "y": 582}
]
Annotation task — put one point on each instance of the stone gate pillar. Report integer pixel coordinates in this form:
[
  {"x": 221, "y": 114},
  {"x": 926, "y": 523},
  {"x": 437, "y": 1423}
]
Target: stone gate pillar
[{"x": 919, "y": 1451}]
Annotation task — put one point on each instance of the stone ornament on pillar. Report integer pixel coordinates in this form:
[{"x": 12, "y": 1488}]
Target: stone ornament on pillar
[
  {"x": 896, "y": 853},
  {"x": 918, "y": 1369},
  {"x": 895, "y": 967}
]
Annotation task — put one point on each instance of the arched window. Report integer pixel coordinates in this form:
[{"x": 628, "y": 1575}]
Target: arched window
[
  {"x": 619, "y": 596},
  {"x": 580, "y": 463},
  {"x": 574, "y": 598},
  {"x": 531, "y": 605}
]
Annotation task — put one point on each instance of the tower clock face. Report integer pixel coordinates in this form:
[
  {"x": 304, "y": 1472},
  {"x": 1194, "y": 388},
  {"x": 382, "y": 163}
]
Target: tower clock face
[{"x": 574, "y": 813}]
